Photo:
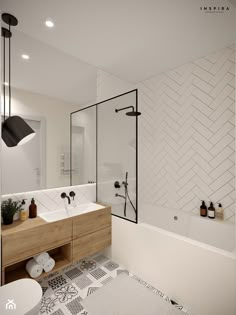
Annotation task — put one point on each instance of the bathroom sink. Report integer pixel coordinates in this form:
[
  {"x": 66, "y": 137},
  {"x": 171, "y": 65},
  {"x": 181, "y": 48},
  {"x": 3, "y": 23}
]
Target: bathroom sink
[{"x": 70, "y": 212}]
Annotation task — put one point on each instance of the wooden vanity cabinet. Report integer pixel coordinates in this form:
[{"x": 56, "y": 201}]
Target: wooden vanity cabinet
[
  {"x": 91, "y": 222},
  {"x": 66, "y": 241},
  {"x": 91, "y": 243},
  {"x": 91, "y": 233},
  {"x": 32, "y": 237}
]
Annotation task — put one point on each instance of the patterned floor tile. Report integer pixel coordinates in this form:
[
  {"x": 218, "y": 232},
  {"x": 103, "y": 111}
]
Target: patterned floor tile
[
  {"x": 64, "y": 290},
  {"x": 47, "y": 305},
  {"x": 87, "y": 265},
  {"x": 58, "y": 312},
  {"x": 105, "y": 281},
  {"x": 83, "y": 282},
  {"x": 75, "y": 306},
  {"x": 98, "y": 273},
  {"x": 57, "y": 282},
  {"x": 91, "y": 290},
  {"x": 48, "y": 292},
  {"x": 122, "y": 271},
  {"x": 73, "y": 273},
  {"x": 100, "y": 259},
  {"x": 51, "y": 275},
  {"x": 44, "y": 289},
  {"x": 66, "y": 293},
  {"x": 111, "y": 265}
]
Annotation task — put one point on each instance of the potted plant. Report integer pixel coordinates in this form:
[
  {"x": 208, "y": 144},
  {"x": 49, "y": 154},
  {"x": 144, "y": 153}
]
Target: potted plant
[{"x": 8, "y": 209}]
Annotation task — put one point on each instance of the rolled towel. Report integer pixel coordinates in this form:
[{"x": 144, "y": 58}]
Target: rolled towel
[
  {"x": 42, "y": 258},
  {"x": 33, "y": 268},
  {"x": 49, "y": 265}
]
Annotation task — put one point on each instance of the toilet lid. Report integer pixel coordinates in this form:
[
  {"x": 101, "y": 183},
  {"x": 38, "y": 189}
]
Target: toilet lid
[{"x": 20, "y": 296}]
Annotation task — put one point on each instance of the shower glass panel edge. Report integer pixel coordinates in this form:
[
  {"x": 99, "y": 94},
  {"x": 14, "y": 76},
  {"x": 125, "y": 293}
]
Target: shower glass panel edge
[{"x": 128, "y": 190}]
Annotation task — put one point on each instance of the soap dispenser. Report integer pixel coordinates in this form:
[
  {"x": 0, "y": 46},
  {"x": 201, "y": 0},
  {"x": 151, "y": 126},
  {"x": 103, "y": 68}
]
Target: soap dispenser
[
  {"x": 220, "y": 212},
  {"x": 211, "y": 211},
  {"x": 32, "y": 209},
  {"x": 24, "y": 211},
  {"x": 203, "y": 209}
]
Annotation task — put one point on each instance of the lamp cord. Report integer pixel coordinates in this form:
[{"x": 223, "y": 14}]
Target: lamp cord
[
  {"x": 4, "y": 79},
  {"x": 9, "y": 70}
]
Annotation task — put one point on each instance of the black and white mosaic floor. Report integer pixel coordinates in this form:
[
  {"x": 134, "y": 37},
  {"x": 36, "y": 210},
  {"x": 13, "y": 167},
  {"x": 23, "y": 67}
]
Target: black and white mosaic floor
[{"x": 64, "y": 291}]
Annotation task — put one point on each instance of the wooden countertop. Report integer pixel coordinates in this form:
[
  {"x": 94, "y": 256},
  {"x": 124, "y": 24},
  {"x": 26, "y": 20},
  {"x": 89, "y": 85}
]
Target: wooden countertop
[{"x": 18, "y": 225}]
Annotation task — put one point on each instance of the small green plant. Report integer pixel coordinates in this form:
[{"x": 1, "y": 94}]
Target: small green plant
[{"x": 8, "y": 209}]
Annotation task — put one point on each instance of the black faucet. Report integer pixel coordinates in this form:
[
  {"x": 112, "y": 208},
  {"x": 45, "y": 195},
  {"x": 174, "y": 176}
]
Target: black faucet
[{"x": 64, "y": 195}]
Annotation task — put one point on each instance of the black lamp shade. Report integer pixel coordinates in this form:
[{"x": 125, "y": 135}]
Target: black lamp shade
[{"x": 15, "y": 131}]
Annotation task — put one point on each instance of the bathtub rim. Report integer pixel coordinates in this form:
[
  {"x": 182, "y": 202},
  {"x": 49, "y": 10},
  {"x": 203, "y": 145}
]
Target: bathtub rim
[{"x": 191, "y": 241}]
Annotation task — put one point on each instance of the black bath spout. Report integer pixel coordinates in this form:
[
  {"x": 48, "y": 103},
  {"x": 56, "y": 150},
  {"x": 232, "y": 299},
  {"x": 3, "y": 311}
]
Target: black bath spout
[{"x": 64, "y": 195}]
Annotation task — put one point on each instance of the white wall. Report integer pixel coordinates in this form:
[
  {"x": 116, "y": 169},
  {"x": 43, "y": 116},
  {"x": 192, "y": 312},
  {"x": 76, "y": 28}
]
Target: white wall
[
  {"x": 187, "y": 135},
  {"x": 201, "y": 279},
  {"x": 109, "y": 85},
  {"x": 50, "y": 199},
  {"x": 57, "y": 116}
]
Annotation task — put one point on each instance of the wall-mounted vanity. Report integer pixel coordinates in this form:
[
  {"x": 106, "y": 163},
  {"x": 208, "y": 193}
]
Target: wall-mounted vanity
[{"x": 67, "y": 240}]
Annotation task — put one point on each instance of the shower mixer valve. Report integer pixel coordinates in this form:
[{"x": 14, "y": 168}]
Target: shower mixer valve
[{"x": 117, "y": 184}]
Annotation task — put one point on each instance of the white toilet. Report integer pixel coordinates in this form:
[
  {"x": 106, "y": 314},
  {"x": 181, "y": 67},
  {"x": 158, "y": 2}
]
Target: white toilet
[{"x": 21, "y": 297}]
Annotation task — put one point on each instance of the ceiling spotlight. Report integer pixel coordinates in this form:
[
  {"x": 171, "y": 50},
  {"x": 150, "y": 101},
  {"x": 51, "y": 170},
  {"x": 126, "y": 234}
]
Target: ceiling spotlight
[
  {"x": 25, "y": 57},
  {"x": 49, "y": 23}
]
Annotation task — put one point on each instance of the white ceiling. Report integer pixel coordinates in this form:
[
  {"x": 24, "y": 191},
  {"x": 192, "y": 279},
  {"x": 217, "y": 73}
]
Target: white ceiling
[
  {"x": 133, "y": 39},
  {"x": 51, "y": 71}
]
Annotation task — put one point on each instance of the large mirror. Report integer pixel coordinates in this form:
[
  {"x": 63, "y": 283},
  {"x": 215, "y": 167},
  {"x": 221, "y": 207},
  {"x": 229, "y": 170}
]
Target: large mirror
[{"x": 44, "y": 94}]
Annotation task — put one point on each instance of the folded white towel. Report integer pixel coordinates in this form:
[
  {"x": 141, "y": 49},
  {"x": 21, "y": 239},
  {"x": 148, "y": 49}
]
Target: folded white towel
[
  {"x": 49, "y": 265},
  {"x": 42, "y": 258},
  {"x": 33, "y": 268}
]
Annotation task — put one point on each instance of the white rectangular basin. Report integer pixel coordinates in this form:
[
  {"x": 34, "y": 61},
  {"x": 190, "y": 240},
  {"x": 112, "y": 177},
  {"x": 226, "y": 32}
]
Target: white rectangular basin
[{"x": 70, "y": 212}]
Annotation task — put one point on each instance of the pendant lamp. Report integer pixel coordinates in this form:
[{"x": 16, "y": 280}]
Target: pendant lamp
[{"x": 15, "y": 131}]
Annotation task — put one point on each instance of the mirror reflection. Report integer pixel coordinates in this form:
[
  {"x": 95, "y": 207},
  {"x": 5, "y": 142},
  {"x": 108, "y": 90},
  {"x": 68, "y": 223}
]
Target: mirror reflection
[{"x": 43, "y": 94}]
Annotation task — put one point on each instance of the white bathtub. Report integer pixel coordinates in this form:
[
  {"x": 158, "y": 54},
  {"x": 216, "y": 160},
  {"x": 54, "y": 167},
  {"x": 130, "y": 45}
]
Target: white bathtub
[
  {"x": 220, "y": 234},
  {"x": 198, "y": 276}
]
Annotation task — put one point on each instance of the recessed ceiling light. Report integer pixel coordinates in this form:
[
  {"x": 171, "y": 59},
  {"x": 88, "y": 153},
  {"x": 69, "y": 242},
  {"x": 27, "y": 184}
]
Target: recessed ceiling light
[
  {"x": 25, "y": 57},
  {"x": 49, "y": 23}
]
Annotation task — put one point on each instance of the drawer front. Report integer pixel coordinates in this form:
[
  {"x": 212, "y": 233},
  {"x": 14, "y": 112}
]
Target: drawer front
[
  {"x": 91, "y": 243},
  {"x": 91, "y": 222},
  {"x": 27, "y": 243}
]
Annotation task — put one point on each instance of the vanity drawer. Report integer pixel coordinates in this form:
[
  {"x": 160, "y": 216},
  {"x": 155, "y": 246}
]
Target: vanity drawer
[
  {"x": 91, "y": 243},
  {"x": 91, "y": 222},
  {"x": 26, "y": 243}
]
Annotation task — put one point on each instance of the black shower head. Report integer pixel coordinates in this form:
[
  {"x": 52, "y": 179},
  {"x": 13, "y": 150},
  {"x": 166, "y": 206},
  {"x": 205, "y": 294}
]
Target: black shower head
[{"x": 131, "y": 113}]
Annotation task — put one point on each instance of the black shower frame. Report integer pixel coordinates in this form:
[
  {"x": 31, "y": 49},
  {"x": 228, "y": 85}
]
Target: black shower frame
[{"x": 96, "y": 104}]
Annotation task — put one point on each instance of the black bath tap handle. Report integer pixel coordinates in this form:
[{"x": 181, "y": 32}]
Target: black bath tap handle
[
  {"x": 116, "y": 184},
  {"x": 72, "y": 194}
]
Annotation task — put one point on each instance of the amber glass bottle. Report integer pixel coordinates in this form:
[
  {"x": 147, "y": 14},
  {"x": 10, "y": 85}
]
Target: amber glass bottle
[
  {"x": 203, "y": 209},
  {"x": 32, "y": 209}
]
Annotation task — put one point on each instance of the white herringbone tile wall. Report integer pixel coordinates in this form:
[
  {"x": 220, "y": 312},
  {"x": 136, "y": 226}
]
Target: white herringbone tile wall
[{"x": 187, "y": 140}]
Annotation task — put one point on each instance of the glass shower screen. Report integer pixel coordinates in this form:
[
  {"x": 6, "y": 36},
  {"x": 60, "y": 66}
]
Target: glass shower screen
[
  {"x": 117, "y": 155},
  {"x": 115, "y": 121}
]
